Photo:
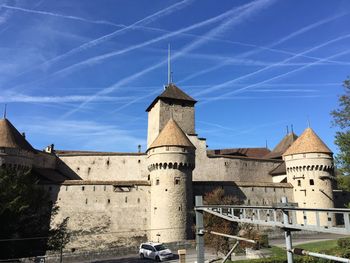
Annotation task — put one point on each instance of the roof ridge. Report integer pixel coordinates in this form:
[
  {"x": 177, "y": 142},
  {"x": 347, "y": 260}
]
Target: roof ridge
[
  {"x": 172, "y": 92},
  {"x": 10, "y": 137},
  {"x": 308, "y": 142},
  {"x": 171, "y": 135}
]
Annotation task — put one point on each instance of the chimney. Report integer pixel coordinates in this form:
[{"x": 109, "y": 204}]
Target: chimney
[
  {"x": 139, "y": 148},
  {"x": 50, "y": 148},
  {"x": 24, "y": 135}
]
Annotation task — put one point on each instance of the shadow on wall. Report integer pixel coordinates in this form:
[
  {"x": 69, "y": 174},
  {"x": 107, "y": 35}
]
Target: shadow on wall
[{"x": 67, "y": 171}]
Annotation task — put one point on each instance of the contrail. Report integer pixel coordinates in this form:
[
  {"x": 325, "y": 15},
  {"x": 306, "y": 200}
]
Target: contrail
[
  {"x": 276, "y": 77},
  {"x": 241, "y": 13},
  {"x": 26, "y": 10},
  {"x": 217, "y": 87},
  {"x": 104, "y": 38},
  {"x": 282, "y": 40},
  {"x": 5, "y": 16},
  {"x": 99, "y": 58}
]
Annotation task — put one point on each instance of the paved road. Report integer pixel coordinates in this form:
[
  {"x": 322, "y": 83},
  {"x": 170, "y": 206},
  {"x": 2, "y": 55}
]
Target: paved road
[{"x": 190, "y": 258}]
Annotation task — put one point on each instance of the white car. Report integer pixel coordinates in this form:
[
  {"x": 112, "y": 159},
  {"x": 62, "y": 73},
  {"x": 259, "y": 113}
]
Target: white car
[{"x": 155, "y": 251}]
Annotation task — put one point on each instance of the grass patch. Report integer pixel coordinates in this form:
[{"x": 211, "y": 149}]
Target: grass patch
[
  {"x": 279, "y": 254},
  {"x": 319, "y": 246}
]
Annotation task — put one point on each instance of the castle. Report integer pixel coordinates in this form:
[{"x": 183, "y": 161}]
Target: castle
[{"x": 115, "y": 199}]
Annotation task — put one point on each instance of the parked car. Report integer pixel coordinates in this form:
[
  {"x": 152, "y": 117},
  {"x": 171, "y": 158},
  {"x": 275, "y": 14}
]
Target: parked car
[{"x": 155, "y": 251}]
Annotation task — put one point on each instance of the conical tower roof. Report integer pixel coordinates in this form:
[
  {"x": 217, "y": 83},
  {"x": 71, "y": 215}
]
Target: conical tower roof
[
  {"x": 11, "y": 138},
  {"x": 171, "y": 135},
  {"x": 308, "y": 142},
  {"x": 282, "y": 146},
  {"x": 172, "y": 92}
]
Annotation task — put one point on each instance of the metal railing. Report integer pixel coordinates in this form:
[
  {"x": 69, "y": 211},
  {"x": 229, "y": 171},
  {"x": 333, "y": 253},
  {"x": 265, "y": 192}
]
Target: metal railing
[{"x": 283, "y": 215}]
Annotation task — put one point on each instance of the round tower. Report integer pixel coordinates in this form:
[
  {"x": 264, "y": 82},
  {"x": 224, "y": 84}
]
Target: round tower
[
  {"x": 171, "y": 161},
  {"x": 15, "y": 151},
  {"x": 310, "y": 169}
]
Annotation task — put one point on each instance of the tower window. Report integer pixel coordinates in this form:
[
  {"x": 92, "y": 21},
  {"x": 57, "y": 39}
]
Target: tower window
[
  {"x": 126, "y": 199},
  {"x": 177, "y": 180},
  {"x": 312, "y": 182},
  {"x": 299, "y": 183},
  {"x": 83, "y": 188},
  {"x": 157, "y": 181}
]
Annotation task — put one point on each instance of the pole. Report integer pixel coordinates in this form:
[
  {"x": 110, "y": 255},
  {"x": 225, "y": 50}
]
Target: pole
[
  {"x": 61, "y": 250},
  {"x": 302, "y": 252},
  {"x": 230, "y": 252},
  {"x": 199, "y": 231},
  {"x": 287, "y": 232}
]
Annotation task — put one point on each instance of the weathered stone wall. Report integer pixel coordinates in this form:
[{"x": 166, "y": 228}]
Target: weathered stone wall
[
  {"x": 249, "y": 193},
  {"x": 45, "y": 160},
  {"x": 120, "y": 167},
  {"x": 153, "y": 123},
  {"x": 103, "y": 216},
  {"x": 229, "y": 168},
  {"x": 183, "y": 113},
  {"x": 278, "y": 178},
  {"x": 16, "y": 158}
]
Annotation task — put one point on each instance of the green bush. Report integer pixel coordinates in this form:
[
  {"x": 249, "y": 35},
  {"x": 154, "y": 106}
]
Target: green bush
[
  {"x": 263, "y": 241},
  {"x": 344, "y": 242}
]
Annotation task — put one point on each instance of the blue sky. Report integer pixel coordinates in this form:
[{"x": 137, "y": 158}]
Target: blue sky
[{"x": 80, "y": 74}]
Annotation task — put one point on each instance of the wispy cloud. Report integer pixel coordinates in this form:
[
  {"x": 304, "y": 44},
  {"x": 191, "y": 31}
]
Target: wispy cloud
[
  {"x": 98, "y": 59},
  {"x": 278, "y": 76},
  {"x": 92, "y": 43},
  {"x": 46, "y": 13},
  {"x": 230, "y": 82},
  {"x": 4, "y": 14},
  {"x": 269, "y": 47},
  {"x": 105, "y": 137},
  {"x": 22, "y": 98},
  {"x": 239, "y": 15}
]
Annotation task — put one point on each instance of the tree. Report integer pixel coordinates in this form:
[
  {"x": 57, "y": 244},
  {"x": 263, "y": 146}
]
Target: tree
[
  {"x": 25, "y": 214},
  {"x": 217, "y": 224},
  {"x": 341, "y": 119}
]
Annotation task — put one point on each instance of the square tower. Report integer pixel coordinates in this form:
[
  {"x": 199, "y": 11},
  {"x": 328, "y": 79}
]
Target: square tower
[{"x": 172, "y": 103}]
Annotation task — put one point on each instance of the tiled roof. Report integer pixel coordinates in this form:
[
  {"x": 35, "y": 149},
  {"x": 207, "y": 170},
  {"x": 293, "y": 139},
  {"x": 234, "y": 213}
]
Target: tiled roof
[
  {"x": 282, "y": 146},
  {"x": 279, "y": 170},
  {"x": 171, "y": 135},
  {"x": 11, "y": 138},
  {"x": 308, "y": 142},
  {"x": 172, "y": 92},
  {"x": 247, "y": 152}
]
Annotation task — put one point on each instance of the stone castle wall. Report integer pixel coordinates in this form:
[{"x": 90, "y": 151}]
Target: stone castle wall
[
  {"x": 121, "y": 167},
  {"x": 162, "y": 111},
  {"x": 16, "y": 158},
  {"x": 249, "y": 193},
  {"x": 102, "y": 216},
  {"x": 229, "y": 168}
]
